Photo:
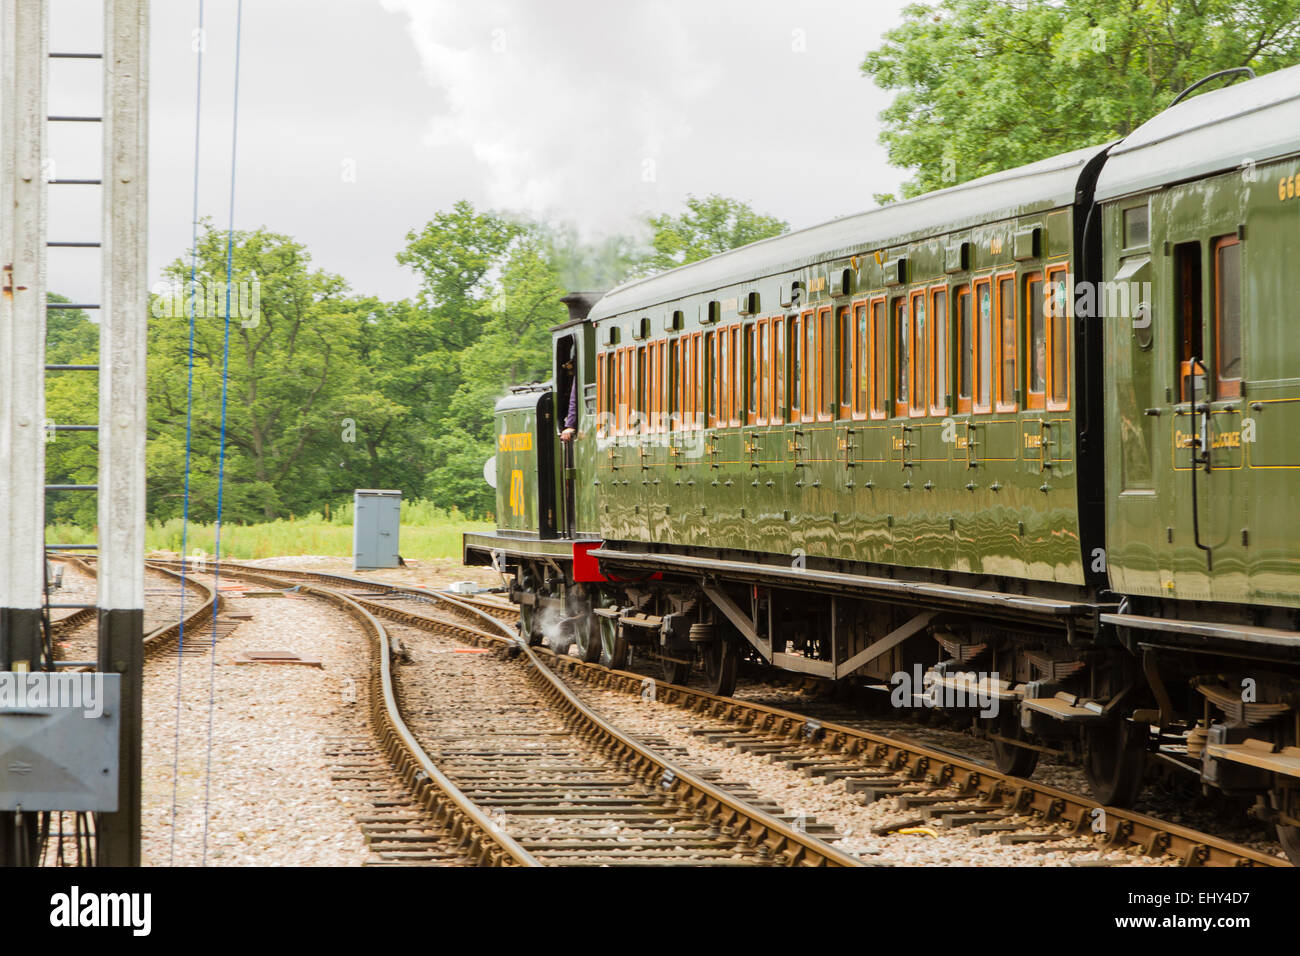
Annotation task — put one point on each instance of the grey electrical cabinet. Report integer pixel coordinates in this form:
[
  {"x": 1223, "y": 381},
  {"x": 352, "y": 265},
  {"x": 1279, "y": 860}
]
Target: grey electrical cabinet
[{"x": 376, "y": 522}]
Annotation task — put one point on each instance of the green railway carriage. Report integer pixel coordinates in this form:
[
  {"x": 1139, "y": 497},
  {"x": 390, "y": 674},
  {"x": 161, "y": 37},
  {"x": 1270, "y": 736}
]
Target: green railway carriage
[
  {"x": 1034, "y": 435},
  {"x": 1200, "y": 203}
]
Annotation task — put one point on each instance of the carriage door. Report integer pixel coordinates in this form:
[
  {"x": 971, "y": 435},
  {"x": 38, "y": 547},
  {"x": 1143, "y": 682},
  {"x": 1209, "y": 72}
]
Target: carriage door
[
  {"x": 568, "y": 413},
  {"x": 1207, "y": 419}
]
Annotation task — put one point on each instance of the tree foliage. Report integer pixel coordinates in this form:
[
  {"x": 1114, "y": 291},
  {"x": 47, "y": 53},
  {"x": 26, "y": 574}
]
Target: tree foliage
[
  {"x": 708, "y": 226},
  {"x": 986, "y": 85}
]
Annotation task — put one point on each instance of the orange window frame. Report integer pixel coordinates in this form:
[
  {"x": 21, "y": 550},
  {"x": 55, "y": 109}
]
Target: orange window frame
[
  {"x": 982, "y": 348},
  {"x": 825, "y": 384},
  {"x": 918, "y": 357},
  {"x": 901, "y": 327},
  {"x": 965, "y": 350},
  {"x": 737, "y": 377},
  {"x": 622, "y": 392},
  {"x": 860, "y": 323},
  {"x": 688, "y": 385},
  {"x": 675, "y": 385},
  {"x": 1225, "y": 388},
  {"x": 710, "y": 379},
  {"x": 794, "y": 388},
  {"x": 642, "y": 391},
  {"x": 763, "y": 350},
  {"x": 808, "y": 407},
  {"x": 652, "y": 387},
  {"x": 697, "y": 381},
  {"x": 749, "y": 399},
  {"x": 1035, "y": 399},
  {"x": 878, "y": 358},
  {"x": 1058, "y": 342},
  {"x": 1001, "y": 339},
  {"x": 940, "y": 333},
  {"x": 724, "y": 376},
  {"x": 778, "y": 371},
  {"x": 846, "y": 384}
]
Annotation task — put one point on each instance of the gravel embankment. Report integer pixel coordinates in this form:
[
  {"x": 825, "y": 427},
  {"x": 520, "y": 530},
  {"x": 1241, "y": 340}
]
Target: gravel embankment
[{"x": 268, "y": 799}]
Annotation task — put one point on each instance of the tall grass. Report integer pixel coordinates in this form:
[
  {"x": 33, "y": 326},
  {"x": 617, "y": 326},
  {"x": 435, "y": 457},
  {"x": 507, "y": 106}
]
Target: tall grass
[{"x": 427, "y": 533}]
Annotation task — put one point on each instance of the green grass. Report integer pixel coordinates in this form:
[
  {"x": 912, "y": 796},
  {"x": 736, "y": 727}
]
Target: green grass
[{"x": 427, "y": 533}]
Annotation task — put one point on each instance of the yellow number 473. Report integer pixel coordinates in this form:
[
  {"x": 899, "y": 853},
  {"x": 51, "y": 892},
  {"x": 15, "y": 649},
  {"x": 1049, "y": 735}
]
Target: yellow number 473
[{"x": 517, "y": 499}]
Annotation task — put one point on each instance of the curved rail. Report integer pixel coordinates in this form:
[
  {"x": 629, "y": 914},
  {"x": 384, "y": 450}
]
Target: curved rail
[
  {"x": 483, "y": 840},
  {"x": 747, "y": 823}
]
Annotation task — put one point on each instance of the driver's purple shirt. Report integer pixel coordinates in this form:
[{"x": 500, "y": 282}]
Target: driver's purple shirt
[{"x": 571, "y": 419}]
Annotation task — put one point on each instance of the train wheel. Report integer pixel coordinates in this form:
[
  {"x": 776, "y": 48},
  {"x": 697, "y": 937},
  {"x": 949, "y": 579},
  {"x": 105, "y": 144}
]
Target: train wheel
[
  {"x": 721, "y": 666},
  {"x": 1007, "y": 757},
  {"x": 528, "y": 625},
  {"x": 1114, "y": 759},
  {"x": 615, "y": 651},
  {"x": 587, "y": 631},
  {"x": 674, "y": 672}
]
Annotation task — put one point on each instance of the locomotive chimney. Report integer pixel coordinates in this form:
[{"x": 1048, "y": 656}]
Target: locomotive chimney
[{"x": 580, "y": 303}]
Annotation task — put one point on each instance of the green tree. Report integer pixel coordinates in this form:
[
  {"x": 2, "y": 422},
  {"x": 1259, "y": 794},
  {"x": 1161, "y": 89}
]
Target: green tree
[
  {"x": 708, "y": 226},
  {"x": 294, "y": 383},
  {"x": 455, "y": 255},
  {"x": 986, "y": 85}
]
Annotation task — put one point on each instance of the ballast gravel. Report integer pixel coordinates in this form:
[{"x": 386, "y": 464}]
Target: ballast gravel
[{"x": 256, "y": 789}]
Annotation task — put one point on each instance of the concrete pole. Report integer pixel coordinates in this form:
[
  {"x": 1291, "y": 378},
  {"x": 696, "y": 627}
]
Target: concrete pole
[
  {"x": 22, "y": 357},
  {"x": 122, "y": 347}
]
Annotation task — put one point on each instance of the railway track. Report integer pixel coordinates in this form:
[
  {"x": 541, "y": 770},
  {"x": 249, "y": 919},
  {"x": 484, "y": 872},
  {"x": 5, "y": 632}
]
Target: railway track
[
  {"x": 942, "y": 788},
  {"x": 157, "y": 641},
  {"x": 541, "y": 767}
]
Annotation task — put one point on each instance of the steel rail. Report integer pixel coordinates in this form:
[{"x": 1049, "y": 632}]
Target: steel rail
[
  {"x": 749, "y": 824},
  {"x": 943, "y": 769},
  {"x": 924, "y": 764},
  {"x": 476, "y": 833}
]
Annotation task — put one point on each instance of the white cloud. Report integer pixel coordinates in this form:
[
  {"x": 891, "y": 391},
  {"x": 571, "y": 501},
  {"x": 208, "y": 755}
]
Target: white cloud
[{"x": 597, "y": 112}]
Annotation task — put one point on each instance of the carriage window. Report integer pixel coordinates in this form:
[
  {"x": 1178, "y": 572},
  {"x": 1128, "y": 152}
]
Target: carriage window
[
  {"x": 778, "y": 371},
  {"x": 697, "y": 383},
  {"x": 675, "y": 385},
  {"x": 846, "y": 362},
  {"x": 965, "y": 350},
  {"x": 1007, "y": 342},
  {"x": 751, "y": 376},
  {"x": 1058, "y": 339},
  {"x": 1037, "y": 357},
  {"x": 939, "y": 353},
  {"x": 652, "y": 386},
  {"x": 640, "y": 390},
  {"x": 879, "y": 358},
  {"x": 796, "y": 366},
  {"x": 984, "y": 346},
  {"x": 809, "y": 366},
  {"x": 902, "y": 365},
  {"x": 764, "y": 371},
  {"x": 710, "y": 380},
  {"x": 920, "y": 353},
  {"x": 737, "y": 377},
  {"x": 862, "y": 384},
  {"x": 1227, "y": 317},
  {"x": 1187, "y": 288},
  {"x": 724, "y": 372}
]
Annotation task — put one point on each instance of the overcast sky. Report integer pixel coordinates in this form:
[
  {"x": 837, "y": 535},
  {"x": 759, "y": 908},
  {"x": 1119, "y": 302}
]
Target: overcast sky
[{"x": 360, "y": 119}]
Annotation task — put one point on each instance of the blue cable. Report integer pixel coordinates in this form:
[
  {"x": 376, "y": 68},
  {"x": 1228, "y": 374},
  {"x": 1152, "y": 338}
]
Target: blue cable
[
  {"x": 221, "y": 454},
  {"x": 189, "y": 411}
]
